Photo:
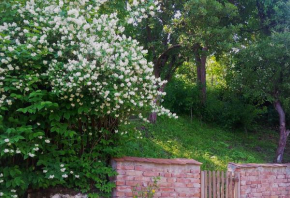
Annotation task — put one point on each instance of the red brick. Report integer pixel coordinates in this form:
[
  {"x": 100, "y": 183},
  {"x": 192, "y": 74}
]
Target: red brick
[
  {"x": 120, "y": 183},
  {"x": 124, "y": 189},
  {"x": 134, "y": 183},
  {"x": 150, "y": 174},
  {"x": 166, "y": 189},
  {"x": 134, "y": 173},
  {"x": 171, "y": 180},
  {"x": 129, "y": 194},
  {"x": 166, "y": 194},
  {"x": 182, "y": 180},
  {"x": 119, "y": 194},
  {"x": 256, "y": 182},
  {"x": 165, "y": 184},
  {"x": 179, "y": 185},
  {"x": 167, "y": 175}
]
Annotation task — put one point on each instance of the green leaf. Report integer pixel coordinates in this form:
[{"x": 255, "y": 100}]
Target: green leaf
[{"x": 66, "y": 115}]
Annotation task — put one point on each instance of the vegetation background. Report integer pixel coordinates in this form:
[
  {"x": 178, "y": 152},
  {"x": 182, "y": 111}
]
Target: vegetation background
[{"x": 223, "y": 64}]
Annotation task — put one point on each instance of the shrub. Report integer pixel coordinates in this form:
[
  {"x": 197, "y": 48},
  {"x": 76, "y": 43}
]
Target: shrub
[
  {"x": 230, "y": 110},
  {"x": 68, "y": 79},
  {"x": 223, "y": 107},
  {"x": 181, "y": 97}
]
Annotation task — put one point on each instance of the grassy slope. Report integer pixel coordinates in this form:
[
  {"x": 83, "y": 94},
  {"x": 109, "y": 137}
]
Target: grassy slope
[{"x": 212, "y": 146}]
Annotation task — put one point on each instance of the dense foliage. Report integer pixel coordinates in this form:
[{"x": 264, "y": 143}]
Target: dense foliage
[
  {"x": 69, "y": 78},
  {"x": 224, "y": 108},
  {"x": 73, "y": 73}
]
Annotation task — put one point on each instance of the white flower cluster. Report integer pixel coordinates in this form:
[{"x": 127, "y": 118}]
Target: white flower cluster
[
  {"x": 82, "y": 55},
  {"x": 1, "y": 181},
  {"x": 141, "y": 9},
  {"x": 63, "y": 172},
  {"x": 1, "y": 178},
  {"x": 12, "y": 191},
  {"x": 31, "y": 154}
]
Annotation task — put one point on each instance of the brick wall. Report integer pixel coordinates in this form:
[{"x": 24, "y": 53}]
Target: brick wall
[
  {"x": 263, "y": 180},
  {"x": 178, "y": 177}
]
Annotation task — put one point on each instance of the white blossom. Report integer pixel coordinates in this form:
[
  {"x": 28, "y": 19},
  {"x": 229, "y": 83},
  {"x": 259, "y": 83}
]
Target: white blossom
[
  {"x": 47, "y": 141},
  {"x": 31, "y": 154},
  {"x": 64, "y": 176}
]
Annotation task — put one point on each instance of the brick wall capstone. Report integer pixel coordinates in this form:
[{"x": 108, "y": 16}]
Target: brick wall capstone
[{"x": 179, "y": 177}]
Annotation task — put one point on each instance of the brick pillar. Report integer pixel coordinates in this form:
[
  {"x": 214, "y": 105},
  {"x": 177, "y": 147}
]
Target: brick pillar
[
  {"x": 179, "y": 177},
  {"x": 263, "y": 180}
]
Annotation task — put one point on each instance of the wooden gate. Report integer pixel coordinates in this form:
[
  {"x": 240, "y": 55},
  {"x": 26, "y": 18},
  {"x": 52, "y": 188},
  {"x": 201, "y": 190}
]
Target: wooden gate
[{"x": 218, "y": 184}]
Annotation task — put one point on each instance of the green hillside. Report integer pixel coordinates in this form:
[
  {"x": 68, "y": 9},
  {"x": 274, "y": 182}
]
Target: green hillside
[{"x": 212, "y": 146}]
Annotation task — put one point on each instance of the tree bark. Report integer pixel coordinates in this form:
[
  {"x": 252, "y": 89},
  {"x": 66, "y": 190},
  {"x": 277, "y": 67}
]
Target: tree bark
[
  {"x": 200, "y": 60},
  {"x": 283, "y": 132},
  {"x": 153, "y": 115}
]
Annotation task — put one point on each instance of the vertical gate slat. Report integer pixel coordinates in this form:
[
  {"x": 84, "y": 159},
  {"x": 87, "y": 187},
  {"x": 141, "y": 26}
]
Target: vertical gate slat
[
  {"x": 209, "y": 182},
  {"x": 238, "y": 185},
  {"x": 222, "y": 185},
  {"x": 202, "y": 184},
  {"x": 218, "y": 185},
  {"x": 235, "y": 186},
  {"x": 206, "y": 183},
  {"x": 230, "y": 185},
  {"x": 227, "y": 184},
  {"x": 214, "y": 184}
]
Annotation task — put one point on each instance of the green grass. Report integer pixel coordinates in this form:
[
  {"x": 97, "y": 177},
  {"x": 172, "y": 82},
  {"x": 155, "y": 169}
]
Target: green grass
[{"x": 211, "y": 145}]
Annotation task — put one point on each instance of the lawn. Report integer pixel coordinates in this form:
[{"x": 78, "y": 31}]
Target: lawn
[{"x": 213, "y": 146}]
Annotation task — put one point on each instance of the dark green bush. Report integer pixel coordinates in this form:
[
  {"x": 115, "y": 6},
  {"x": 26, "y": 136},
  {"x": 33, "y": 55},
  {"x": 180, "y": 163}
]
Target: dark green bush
[{"x": 222, "y": 107}]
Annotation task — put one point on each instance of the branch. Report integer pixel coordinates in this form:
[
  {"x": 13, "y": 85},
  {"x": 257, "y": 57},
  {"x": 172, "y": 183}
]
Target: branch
[
  {"x": 172, "y": 69},
  {"x": 165, "y": 53}
]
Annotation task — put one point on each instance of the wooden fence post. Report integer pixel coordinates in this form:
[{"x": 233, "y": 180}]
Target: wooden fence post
[
  {"x": 238, "y": 183},
  {"x": 202, "y": 184}
]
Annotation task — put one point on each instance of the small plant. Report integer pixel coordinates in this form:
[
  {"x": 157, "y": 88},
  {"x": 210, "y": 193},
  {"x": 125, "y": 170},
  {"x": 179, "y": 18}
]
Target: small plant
[{"x": 146, "y": 192}]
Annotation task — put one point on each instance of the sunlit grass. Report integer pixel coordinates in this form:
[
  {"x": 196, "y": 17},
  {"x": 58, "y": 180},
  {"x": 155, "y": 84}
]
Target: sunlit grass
[{"x": 212, "y": 146}]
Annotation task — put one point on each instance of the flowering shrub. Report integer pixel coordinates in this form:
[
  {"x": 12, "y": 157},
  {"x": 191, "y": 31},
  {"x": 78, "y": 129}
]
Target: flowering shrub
[{"x": 68, "y": 78}]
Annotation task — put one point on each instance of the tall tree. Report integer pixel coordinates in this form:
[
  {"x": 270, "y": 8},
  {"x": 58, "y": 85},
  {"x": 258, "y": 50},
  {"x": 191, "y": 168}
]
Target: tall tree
[
  {"x": 207, "y": 27},
  {"x": 263, "y": 65},
  {"x": 263, "y": 71}
]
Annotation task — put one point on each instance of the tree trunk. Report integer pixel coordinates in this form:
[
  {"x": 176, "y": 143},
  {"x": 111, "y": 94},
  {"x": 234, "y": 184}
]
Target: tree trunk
[
  {"x": 157, "y": 72},
  {"x": 203, "y": 76},
  {"x": 153, "y": 115},
  {"x": 200, "y": 59},
  {"x": 283, "y": 132}
]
